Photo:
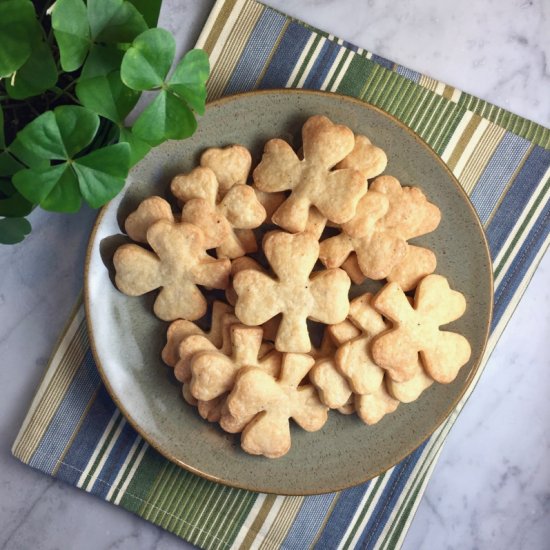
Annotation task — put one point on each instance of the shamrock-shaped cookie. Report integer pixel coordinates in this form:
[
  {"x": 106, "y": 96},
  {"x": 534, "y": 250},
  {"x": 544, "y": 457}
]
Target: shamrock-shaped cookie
[
  {"x": 181, "y": 329},
  {"x": 353, "y": 358},
  {"x": 271, "y": 402},
  {"x": 322, "y": 297},
  {"x": 417, "y": 264},
  {"x": 387, "y": 216},
  {"x": 311, "y": 180},
  {"x": 368, "y": 159},
  {"x": 220, "y": 214},
  {"x": 372, "y": 407},
  {"x": 213, "y": 373},
  {"x": 416, "y": 331},
  {"x": 230, "y": 164},
  {"x": 149, "y": 211},
  {"x": 178, "y": 264}
]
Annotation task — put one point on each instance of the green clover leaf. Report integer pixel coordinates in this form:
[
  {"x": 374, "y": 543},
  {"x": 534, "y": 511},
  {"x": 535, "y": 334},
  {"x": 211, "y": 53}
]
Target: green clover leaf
[
  {"x": 165, "y": 118},
  {"x": 189, "y": 79},
  {"x": 61, "y": 135},
  {"x": 101, "y": 61},
  {"x": 145, "y": 66},
  {"x": 148, "y": 60},
  {"x": 114, "y": 21},
  {"x": 36, "y": 75},
  {"x": 17, "y": 23},
  {"x": 107, "y": 96},
  {"x": 102, "y": 173},
  {"x": 13, "y": 230},
  {"x": 79, "y": 28},
  {"x": 72, "y": 32},
  {"x": 138, "y": 147}
]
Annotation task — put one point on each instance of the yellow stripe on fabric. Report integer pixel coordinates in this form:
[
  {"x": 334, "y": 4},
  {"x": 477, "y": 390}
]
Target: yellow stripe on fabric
[
  {"x": 221, "y": 15},
  {"x": 282, "y": 523},
  {"x": 258, "y": 522},
  {"x": 63, "y": 366},
  {"x": 224, "y": 65},
  {"x": 463, "y": 141},
  {"x": 481, "y": 155}
]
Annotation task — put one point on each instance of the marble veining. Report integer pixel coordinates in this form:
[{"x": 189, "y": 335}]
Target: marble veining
[{"x": 491, "y": 487}]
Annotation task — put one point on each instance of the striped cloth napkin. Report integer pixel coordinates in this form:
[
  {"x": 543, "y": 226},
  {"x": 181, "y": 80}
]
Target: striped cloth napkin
[{"x": 74, "y": 432}]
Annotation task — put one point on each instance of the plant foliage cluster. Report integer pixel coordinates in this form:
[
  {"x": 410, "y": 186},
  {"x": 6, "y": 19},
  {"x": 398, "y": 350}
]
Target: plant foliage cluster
[{"x": 70, "y": 73}]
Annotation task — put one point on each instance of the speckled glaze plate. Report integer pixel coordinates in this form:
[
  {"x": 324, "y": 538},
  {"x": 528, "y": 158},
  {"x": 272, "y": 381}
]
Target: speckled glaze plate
[{"x": 127, "y": 338}]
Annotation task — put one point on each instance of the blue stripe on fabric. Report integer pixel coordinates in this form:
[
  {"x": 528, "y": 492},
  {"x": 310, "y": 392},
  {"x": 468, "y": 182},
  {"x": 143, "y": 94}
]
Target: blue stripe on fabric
[
  {"x": 408, "y": 73},
  {"x": 385, "y": 505},
  {"x": 67, "y": 416},
  {"x": 286, "y": 56},
  {"x": 516, "y": 198},
  {"x": 383, "y": 61},
  {"x": 498, "y": 172},
  {"x": 88, "y": 436},
  {"x": 256, "y": 52},
  {"x": 308, "y": 521},
  {"x": 341, "y": 516},
  {"x": 524, "y": 258},
  {"x": 322, "y": 65},
  {"x": 114, "y": 462},
  {"x": 350, "y": 46}
]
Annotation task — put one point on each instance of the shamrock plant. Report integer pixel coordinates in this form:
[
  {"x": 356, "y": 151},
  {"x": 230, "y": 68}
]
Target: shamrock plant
[{"x": 70, "y": 73}]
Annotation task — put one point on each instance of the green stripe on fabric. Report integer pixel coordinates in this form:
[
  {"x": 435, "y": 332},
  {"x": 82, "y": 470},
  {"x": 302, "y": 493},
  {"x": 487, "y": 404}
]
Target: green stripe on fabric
[
  {"x": 137, "y": 493},
  {"x": 511, "y": 122},
  {"x": 347, "y": 53},
  {"x": 521, "y": 229},
  {"x": 305, "y": 62},
  {"x": 127, "y": 470},
  {"x": 355, "y": 77},
  {"x": 366, "y": 509},
  {"x": 103, "y": 449}
]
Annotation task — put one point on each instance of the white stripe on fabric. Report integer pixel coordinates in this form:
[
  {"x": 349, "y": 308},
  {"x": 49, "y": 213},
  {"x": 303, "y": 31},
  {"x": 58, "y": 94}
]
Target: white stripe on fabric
[
  {"x": 343, "y": 71},
  {"x": 333, "y": 68},
  {"x": 510, "y": 308},
  {"x": 311, "y": 61},
  {"x": 470, "y": 147},
  {"x": 99, "y": 445},
  {"x": 63, "y": 345},
  {"x": 517, "y": 225},
  {"x": 227, "y": 28},
  {"x": 301, "y": 60},
  {"x": 360, "y": 508},
  {"x": 245, "y": 527},
  {"x": 123, "y": 467},
  {"x": 266, "y": 525},
  {"x": 106, "y": 454},
  {"x": 131, "y": 474},
  {"x": 456, "y": 136}
]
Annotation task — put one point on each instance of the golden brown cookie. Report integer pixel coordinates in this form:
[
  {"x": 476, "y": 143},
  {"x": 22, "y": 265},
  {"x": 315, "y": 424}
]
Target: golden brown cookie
[
  {"x": 293, "y": 293},
  {"x": 271, "y": 402},
  {"x": 366, "y": 158},
  {"x": 180, "y": 329},
  {"x": 226, "y": 216},
  {"x": 178, "y": 264},
  {"x": 416, "y": 331},
  {"x": 311, "y": 180},
  {"x": 213, "y": 373},
  {"x": 387, "y": 216},
  {"x": 149, "y": 211}
]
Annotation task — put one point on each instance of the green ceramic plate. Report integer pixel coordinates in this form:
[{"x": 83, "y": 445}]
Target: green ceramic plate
[{"x": 127, "y": 338}]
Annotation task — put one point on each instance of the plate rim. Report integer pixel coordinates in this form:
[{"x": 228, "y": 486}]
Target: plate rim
[{"x": 150, "y": 439}]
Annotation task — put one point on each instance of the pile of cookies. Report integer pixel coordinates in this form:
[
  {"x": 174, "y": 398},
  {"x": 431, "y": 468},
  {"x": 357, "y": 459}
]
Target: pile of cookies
[{"x": 256, "y": 368}]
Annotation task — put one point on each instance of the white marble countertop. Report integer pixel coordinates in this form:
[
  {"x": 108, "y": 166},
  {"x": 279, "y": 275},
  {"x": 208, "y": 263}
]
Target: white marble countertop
[{"x": 491, "y": 488}]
